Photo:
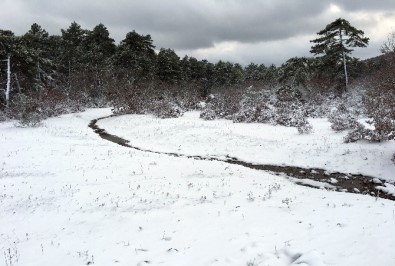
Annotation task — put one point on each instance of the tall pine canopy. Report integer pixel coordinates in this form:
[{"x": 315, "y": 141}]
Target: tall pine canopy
[
  {"x": 37, "y": 41},
  {"x": 136, "y": 54},
  {"x": 73, "y": 39},
  {"x": 168, "y": 65},
  {"x": 335, "y": 45}
]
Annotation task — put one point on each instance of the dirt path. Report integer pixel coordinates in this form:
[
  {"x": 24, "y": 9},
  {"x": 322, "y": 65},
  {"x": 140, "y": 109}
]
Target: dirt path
[{"x": 359, "y": 184}]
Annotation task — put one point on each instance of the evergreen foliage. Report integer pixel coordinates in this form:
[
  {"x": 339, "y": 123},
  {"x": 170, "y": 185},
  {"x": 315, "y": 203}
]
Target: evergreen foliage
[
  {"x": 72, "y": 49},
  {"x": 38, "y": 41},
  {"x": 168, "y": 67},
  {"x": 136, "y": 55},
  {"x": 335, "y": 45},
  {"x": 84, "y": 68}
]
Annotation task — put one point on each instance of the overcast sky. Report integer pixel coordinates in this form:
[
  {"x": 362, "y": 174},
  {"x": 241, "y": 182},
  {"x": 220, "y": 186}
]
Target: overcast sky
[{"x": 243, "y": 31}]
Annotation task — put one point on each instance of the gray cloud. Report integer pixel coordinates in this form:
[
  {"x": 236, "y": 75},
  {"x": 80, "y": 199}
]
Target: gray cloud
[
  {"x": 198, "y": 27},
  {"x": 357, "y": 5}
]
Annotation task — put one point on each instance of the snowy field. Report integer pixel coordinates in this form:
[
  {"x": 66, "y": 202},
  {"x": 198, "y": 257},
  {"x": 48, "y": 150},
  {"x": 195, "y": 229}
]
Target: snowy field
[
  {"x": 256, "y": 143},
  {"x": 68, "y": 197}
]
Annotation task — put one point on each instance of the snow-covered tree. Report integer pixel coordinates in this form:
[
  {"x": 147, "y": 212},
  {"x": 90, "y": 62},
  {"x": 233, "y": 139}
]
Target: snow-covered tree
[
  {"x": 22, "y": 59},
  {"x": 72, "y": 49},
  {"x": 168, "y": 65},
  {"x": 37, "y": 42},
  {"x": 335, "y": 45},
  {"x": 296, "y": 71},
  {"x": 226, "y": 73},
  {"x": 99, "y": 47},
  {"x": 136, "y": 55}
]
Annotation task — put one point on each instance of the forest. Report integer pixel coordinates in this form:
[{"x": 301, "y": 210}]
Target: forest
[{"x": 49, "y": 75}]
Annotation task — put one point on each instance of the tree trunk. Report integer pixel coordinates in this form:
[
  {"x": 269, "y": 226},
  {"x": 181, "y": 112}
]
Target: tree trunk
[
  {"x": 344, "y": 62},
  {"x": 7, "y": 92},
  {"x": 69, "y": 77}
]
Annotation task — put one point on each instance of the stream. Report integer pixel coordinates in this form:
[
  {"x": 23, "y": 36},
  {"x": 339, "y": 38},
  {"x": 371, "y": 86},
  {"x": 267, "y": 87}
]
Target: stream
[{"x": 310, "y": 177}]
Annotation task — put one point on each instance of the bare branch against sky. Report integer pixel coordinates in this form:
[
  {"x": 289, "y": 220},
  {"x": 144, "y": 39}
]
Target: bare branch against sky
[{"x": 260, "y": 31}]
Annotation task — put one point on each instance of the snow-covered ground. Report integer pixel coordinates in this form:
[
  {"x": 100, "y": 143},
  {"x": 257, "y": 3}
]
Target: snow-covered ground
[
  {"x": 257, "y": 143},
  {"x": 68, "y": 197}
]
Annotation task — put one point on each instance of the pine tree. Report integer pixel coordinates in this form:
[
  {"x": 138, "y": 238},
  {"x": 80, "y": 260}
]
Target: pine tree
[
  {"x": 296, "y": 71},
  {"x": 252, "y": 72},
  {"x": 99, "y": 47},
  {"x": 271, "y": 74},
  {"x": 98, "y": 57},
  {"x": 136, "y": 55},
  {"x": 197, "y": 69},
  {"x": 186, "y": 72},
  {"x": 335, "y": 43},
  {"x": 224, "y": 73},
  {"x": 168, "y": 65},
  {"x": 37, "y": 42},
  {"x": 22, "y": 59},
  {"x": 72, "y": 48}
]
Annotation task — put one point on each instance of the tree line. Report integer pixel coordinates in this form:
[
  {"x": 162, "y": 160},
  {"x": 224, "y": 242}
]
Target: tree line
[{"x": 80, "y": 58}]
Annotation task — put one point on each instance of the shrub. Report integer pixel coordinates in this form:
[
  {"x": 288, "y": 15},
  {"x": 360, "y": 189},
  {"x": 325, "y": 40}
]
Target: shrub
[
  {"x": 167, "y": 109},
  {"x": 290, "y": 114},
  {"x": 26, "y": 110},
  {"x": 341, "y": 119},
  {"x": 288, "y": 94},
  {"x": 380, "y": 102},
  {"x": 222, "y": 105},
  {"x": 208, "y": 114},
  {"x": 304, "y": 127},
  {"x": 29, "y": 120},
  {"x": 3, "y": 116},
  {"x": 359, "y": 133}
]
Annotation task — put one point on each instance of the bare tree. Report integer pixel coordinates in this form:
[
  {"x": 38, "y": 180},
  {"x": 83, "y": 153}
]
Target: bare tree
[
  {"x": 389, "y": 44},
  {"x": 8, "y": 86}
]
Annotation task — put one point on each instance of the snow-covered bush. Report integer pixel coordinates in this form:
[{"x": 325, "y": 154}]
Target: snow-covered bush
[
  {"x": 224, "y": 104},
  {"x": 254, "y": 106},
  {"x": 342, "y": 119},
  {"x": 289, "y": 114},
  {"x": 160, "y": 99},
  {"x": 319, "y": 104},
  {"x": 342, "y": 122},
  {"x": 29, "y": 120},
  {"x": 265, "y": 113},
  {"x": 3, "y": 116},
  {"x": 359, "y": 133},
  {"x": 285, "y": 107},
  {"x": 166, "y": 109},
  {"x": 304, "y": 127},
  {"x": 362, "y": 133},
  {"x": 380, "y": 103},
  {"x": 55, "y": 102},
  {"x": 289, "y": 94},
  {"x": 381, "y": 108},
  {"x": 260, "y": 113},
  {"x": 214, "y": 109},
  {"x": 26, "y": 110},
  {"x": 208, "y": 114}
]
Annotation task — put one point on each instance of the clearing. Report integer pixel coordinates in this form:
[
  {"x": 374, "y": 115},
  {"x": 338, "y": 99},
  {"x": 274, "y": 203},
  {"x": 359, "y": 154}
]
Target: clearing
[{"x": 68, "y": 197}]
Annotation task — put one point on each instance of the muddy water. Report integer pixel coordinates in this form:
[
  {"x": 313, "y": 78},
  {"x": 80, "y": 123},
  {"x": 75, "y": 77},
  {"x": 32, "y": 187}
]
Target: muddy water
[{"x": 359, "y": 184}]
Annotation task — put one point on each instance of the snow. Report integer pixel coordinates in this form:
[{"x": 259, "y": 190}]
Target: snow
[
  {"x": 257, "y": 143},
  {"x": 68, "y": 197},
  {"x": 387, "y": 188},
  {"x": 313, "y": 183}
]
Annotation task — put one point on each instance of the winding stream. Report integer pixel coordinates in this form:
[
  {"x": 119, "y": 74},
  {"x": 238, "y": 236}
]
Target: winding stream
[{"x": 359, "y": 184}]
